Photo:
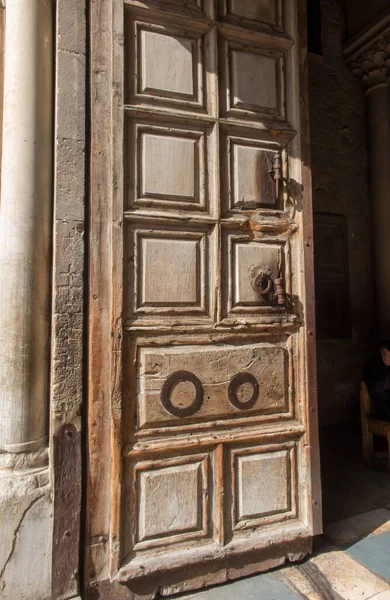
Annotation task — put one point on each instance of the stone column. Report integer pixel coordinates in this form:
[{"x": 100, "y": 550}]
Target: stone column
[
  {"x": 25, "y": 225},
  {"x": 25, "y": 266},
  {"x": 369, "y": 58}
]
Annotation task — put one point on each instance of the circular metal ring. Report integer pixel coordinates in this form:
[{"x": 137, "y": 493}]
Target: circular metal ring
[
  {"x": 170, "y": 382},
  {"x": 238, "y": 380},
  {"x": 259, "y": 282}
]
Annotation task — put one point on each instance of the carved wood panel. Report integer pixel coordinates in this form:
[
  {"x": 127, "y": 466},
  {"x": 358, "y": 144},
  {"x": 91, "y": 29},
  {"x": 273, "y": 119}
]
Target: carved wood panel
[
  {"x": 261, "y": 13},
  {"x": 171, "y": 500},
  {"x": 252, "y": 81},
  {"x": 253, "y": 502},
  {"x": 158, "y": 155},
  {"x": 216, "y": 369}
]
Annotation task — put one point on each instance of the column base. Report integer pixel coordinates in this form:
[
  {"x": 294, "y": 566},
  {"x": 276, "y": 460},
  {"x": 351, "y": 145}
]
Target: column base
[
  {"x": 26, "y": 527},
  {"x": 27, "y": 446}
]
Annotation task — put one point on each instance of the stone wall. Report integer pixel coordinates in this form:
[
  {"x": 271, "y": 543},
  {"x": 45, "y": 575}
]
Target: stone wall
[
  {"x": 340, "y": 187},
  {"x": 362, "y": 13}
]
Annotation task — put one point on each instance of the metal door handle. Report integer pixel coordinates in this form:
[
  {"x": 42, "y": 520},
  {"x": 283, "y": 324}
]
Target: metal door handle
[
  {"x": 276, "y": 172},
  {"x": 261, "y": 279},
  {"x": 262, "y": 283},
  {"x": 272, "y": 289}
]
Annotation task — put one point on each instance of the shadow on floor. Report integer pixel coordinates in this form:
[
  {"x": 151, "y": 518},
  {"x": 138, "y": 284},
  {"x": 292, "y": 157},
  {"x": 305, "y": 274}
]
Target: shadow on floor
[{"x": 348, "y": 487}]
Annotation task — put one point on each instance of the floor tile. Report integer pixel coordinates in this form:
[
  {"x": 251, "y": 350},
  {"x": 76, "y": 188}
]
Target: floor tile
[
  {"x": 260, "y": 587},
  {"x": 297, "y": 581},
  {"x": 374, "y": 552},
  {"x": 382, "y": 596},
  {"x": 357, "y": 527},
  {"x": 347, "y": 577}
]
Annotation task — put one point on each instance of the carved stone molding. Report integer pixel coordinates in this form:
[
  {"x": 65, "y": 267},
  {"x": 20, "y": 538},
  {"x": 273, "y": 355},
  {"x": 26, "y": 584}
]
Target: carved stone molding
[{"x": 368, "y": 54}]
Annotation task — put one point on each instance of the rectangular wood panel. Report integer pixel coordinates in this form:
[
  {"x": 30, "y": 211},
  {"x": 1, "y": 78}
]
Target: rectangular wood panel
[
  {"x": 243, "y": 260},
  {"x": 158, "y": 156},
  {"x": 247, "y": 163},
  {"x": 264, "y": 485},
  {"x": 170, "y": 501},
  {"x": 214, "y": 367},
  {"x": 167, "y": 65},
  {"x": 253, "y": 81},
  {"x": 264, "y": 11},
  {"x": 169, "y": 271},
  {"x": 258, "y": 14}
]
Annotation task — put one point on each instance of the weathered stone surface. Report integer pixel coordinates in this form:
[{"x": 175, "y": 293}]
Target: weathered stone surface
[
  {"x": 71, "y": 26},
  {"x": 69, "y": 216},
  {"x": 70, "y": 184},
  {"x": 68, "y": 323},
  {"x": 71, "y": 95},
  {"x": 362, "y": 13},
  {"x": 25, "y": 541}
]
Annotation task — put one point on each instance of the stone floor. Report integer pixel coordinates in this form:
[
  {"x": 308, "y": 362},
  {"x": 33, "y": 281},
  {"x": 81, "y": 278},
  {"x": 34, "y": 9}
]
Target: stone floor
[{"x": 351, "y": 561}]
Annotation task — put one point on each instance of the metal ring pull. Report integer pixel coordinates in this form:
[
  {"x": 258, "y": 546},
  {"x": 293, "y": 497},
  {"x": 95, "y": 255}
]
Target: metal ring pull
[
  {"x": 263, "y": 283},
  {"x": 170, "y": 383},
  {"x": 236, "y": 382},
  {"x": 261, "y": 279}
]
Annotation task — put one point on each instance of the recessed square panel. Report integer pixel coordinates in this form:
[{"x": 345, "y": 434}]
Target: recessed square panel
[
  {"x": 189, "y": 8},
  {"x": 168, "y": 65},
  {"x": 251, "y": 181},
  {"x": 253, "y": 81},
  {"x": 166, "y": 167},
  {"x": 244, "y": 259},
  {"x": 263, "y": 484},
  {"x": 167, "y": 272},
  {"x": 264, "y": 11},
  {"x": 170, "y": 500},
  {"x": 169, "y": 167},
  {"x": 252, "y": 171}
]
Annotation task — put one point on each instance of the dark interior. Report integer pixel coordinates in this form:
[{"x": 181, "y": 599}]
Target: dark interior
[{"x": 347, "y": 333}]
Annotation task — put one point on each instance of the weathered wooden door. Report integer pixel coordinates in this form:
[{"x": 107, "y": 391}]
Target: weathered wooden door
[{"x": 202, "y": 451}]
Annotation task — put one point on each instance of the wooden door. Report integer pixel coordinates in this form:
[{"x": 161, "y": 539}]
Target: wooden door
[{"x": 202, "y": 445}]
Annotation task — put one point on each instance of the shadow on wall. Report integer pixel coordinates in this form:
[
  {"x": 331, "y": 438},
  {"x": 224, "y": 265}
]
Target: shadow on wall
[{"x": 344, "y": 286}]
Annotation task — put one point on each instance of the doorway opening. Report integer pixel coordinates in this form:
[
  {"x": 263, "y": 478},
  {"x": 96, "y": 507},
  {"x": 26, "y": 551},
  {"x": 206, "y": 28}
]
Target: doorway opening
[{"x": 347, "y": 333}]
